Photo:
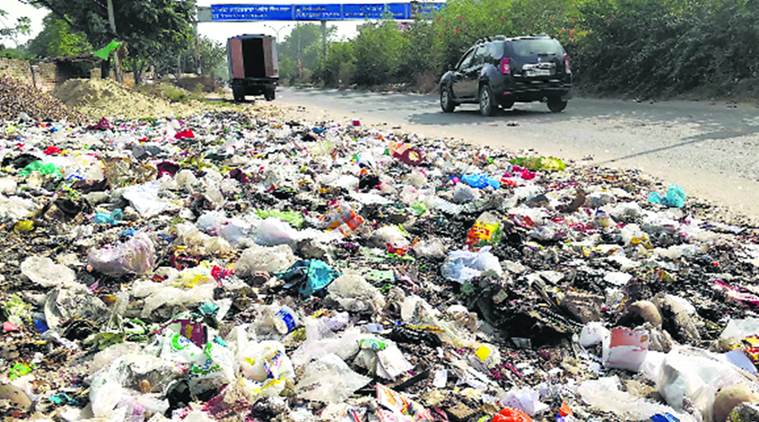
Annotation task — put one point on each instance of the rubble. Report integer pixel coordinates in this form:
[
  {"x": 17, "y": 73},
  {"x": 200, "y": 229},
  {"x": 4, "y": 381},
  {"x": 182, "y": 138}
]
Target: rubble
[{"x": 231, "y": 266}]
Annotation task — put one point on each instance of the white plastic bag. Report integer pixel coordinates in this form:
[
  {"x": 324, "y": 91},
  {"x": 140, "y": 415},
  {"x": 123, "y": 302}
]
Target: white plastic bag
[
  {"x": 265, "y": 258},
  {"x": 329, "y": 380},
  {"x": 274, "y": 231},
  {"x": 462, "y": 265}
]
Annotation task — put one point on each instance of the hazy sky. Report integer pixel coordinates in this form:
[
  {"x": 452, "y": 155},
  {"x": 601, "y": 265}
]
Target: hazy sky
[{"x": 217, "y": 31}]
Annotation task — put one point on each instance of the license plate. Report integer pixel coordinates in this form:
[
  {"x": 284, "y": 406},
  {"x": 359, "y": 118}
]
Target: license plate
[{"x": 538, "y": 72}]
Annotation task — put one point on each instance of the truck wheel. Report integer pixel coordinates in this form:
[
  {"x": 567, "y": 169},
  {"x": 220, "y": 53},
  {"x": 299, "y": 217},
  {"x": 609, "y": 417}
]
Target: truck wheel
[
  {"x": 270, "y": 94},
  {"x": 238, "y": 95},
  {"x": 556, "y": 105},
  {"x": 486, "y": 100}
]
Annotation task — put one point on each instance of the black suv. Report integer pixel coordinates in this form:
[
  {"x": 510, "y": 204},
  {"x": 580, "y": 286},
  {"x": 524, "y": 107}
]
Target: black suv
[{"x": 499, "y": 71}]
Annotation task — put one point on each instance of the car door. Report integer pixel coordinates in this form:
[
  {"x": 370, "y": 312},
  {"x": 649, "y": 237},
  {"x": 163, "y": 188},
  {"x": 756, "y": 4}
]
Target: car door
[
  {"x": 461, "y": 87},
  {"x": 472, "y": 73}
]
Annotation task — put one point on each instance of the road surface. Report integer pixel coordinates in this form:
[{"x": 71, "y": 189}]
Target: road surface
[{"x": 711, "y": 149}]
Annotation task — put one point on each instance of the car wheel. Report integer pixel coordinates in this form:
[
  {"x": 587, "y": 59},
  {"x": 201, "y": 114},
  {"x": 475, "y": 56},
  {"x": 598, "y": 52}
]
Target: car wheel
[
  {"x": 270, "y": 94},
  {"x": 446, "y": 99},
  {"x": 556, "y": 105},
  {"x": 487, "y": 103}
]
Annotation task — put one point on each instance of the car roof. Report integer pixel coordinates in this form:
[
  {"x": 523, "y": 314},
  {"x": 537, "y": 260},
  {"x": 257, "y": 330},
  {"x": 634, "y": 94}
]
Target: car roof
[{"x": 518, "y": 38}]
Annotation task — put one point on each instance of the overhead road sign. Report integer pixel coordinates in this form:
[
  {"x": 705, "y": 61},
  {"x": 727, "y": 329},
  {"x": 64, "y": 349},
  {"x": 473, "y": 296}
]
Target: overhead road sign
[{"x": 314, "y": 12}]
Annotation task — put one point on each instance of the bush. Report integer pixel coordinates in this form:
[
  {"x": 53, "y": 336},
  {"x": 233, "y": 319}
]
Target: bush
[
  {"x": 641, "y": 47},
  {"x": 378, "y": 49}
]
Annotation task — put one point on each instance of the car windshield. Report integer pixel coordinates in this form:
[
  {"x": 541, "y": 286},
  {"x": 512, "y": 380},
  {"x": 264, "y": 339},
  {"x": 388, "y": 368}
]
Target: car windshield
[{"x": 539, "y": 46}]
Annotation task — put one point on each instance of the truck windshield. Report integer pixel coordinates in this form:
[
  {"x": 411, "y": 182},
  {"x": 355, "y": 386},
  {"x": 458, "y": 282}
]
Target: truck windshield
[{"x": 538, "y": 46}]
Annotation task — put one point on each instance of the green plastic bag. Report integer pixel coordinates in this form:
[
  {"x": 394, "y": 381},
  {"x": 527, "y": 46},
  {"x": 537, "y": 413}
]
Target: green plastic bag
[
  {"x": 48, "y": 169},
  {"x": 106, "y": 51},
  {"x": 293, "y": 218}
]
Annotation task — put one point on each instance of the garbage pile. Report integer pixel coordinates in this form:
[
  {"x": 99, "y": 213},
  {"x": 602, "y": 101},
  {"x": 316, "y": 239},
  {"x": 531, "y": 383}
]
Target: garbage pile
[
  {"x": 17, "y": 98},
  {"x": 229, "y": 267}
]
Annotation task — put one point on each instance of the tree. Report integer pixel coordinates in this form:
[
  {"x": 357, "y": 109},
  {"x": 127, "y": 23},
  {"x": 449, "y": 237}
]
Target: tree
[
  {"x": 300, "y": 51},
  {"x": 147, "y": 27},
  {"x": 56, "y": 39},
  {"x": 12, "y": 30},
  {"x": 379, "y": 51}
]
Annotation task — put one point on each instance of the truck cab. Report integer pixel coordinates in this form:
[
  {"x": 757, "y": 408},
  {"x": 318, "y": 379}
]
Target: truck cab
[{"x": 253, "y": 66}]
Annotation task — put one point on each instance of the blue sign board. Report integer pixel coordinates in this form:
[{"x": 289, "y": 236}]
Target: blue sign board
[
  {"x": 319, "y": 12},
  {"x": 251, "y": 12},
  {"x": 376, "y": 11}
]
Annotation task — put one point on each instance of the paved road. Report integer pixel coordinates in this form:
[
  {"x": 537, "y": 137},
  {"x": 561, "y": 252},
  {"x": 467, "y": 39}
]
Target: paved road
[{"x": 711, "y": 149}]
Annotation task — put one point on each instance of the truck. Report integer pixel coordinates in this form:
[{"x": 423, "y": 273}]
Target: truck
[{"x": 253, "y": 66}]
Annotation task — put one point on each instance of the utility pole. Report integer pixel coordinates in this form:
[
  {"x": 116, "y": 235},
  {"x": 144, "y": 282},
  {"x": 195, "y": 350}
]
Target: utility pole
[
  {"x": 116, "y": 58},
  {"x": 324, "y": 41}
]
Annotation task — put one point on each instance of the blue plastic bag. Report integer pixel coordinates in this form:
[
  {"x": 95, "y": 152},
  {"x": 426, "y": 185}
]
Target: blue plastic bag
[
  {"x": 309, "y": 275},
  {"x": 480, "y": 181},
  {"x": 666, "y": 417},
  {"x": 674, "y": 198}
]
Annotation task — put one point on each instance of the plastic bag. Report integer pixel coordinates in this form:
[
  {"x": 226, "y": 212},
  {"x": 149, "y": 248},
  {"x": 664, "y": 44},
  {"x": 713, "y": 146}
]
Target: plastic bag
[
  {"x": 158, "y": 295},
  {"x": 739, "y": 328},
  {"x": 329, "y": 380},
  {"x": 604, "y": 394},
  {"x": 526, "y": 399},
  {"x": 265, "y": 258},
  {"x": 46, "y": 273},
  {"x": 626, "y": 348},
  {"x": 293, "y": 218},
  {"x": 310, "y": 276},
  {"x": 274, "y": 231},
  {"x": 135, "y": 256},
  {"x": 355, "y": 294},
  {"x": 480, "y": 181},
  {"x": 694, "y": 376},
  {"x": 674, "y": 198},
  {"x": 461, "y": 266},
  {"x": 144, "y": 199}
]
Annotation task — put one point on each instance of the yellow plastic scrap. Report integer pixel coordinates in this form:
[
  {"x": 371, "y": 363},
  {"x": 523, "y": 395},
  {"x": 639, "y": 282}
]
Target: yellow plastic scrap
[{"x": 23, "y": 226}]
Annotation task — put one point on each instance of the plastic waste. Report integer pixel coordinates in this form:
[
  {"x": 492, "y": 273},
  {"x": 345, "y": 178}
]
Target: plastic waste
[
  {"x": 293, "y": 218},
  {"x": 46, "y": 273},
  {"x": 109, "y": 218},
  {"x": 273, "y": 231},
  {"x": 509, "y": 414},
  {"x": 144, "y": 199},
  {"x": 486, "y": 230},
  {"x": 739, "y": 328},
  {"x": 135, "y": 256},
  {"x": 626, "y": 348},
  {"x": 462, "y": 266},
  {"x": 540, "y": 163},
  {"x": 604, "y": 394},
  {"x": 158, "y": 295},
  {"x": 463, "y": 193},
  {"x": 265, "y": 258},
  {"x": 309, "y": 276},
  {"x": 354, "y": 294},
  {"x": 329, "y": 380},
  {"x": 342, "y": 219},
  {"x": 480, "y": 181},
  {"x": 674, "y": 198},
  {"x": 689, "y": 378}
]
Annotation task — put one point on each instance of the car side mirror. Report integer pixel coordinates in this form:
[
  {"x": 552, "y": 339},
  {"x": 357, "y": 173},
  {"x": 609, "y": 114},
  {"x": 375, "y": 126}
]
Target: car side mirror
[{"x": 450, "y": 66}]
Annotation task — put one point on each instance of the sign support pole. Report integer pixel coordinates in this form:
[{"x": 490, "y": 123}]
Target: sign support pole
[{"x": 324, "y": 41}]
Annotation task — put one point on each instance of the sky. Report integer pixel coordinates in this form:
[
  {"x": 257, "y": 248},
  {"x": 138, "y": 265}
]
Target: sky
[{"x": 214, "y": 30}]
